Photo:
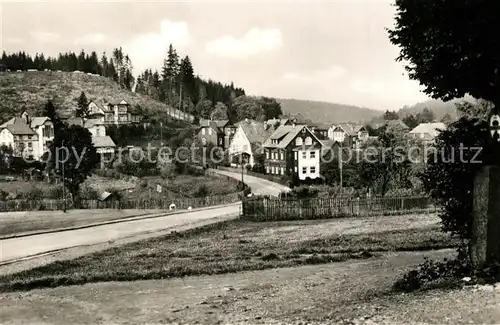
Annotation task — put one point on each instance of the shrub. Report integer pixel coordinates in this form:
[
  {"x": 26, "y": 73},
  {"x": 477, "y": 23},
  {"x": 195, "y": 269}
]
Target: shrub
[
  {"x": 88, "y": 193},
  {"x": 202, "y": 191}
]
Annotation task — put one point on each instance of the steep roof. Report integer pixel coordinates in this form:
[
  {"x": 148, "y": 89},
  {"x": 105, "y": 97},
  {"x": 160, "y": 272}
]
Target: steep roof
[
  {"x": 285, "y": 134},
  {"x": 432, "y": 129},
  {"x": 212, "y": 124},
  {"x": 78, "y": 121},
  {"x": 256, "y": 132},
  {"x": 102, "y": 141},
  {"x": 39, "y": 120},
  {"x": 221, "y": 123},
  {"x": 11, "y": 121},
  {"x": 20, "y": 128}
]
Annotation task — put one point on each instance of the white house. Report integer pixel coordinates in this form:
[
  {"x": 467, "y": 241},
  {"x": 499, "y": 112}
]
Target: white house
[
  {"x": 42, "y": 128},
  {"x": 248, "y": 139},
  {"x": 293, "y": 150},
  {"x": 18, "y": 135},
  {"x": 427, "y": 131}
]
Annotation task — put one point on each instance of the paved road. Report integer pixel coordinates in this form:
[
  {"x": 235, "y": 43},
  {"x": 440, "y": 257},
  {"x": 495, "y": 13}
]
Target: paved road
[
  {"x": 258, "y": 185},
  {"x": 18, "y": 248}
]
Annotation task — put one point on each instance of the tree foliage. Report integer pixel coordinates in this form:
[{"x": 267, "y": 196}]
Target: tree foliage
[
  {"x": 77, "y": 161},
  {"x": 449, "y": 176},
  {"x": 118, "y": 67},
  {"x": 449, "y": 47},
  {"x": 82, "y": 109}
]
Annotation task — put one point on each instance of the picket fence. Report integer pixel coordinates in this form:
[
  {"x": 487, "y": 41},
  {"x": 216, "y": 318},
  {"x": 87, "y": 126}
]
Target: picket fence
[
  {"x": 273, "y": 209},
  {"x": 184, "y": 203}
]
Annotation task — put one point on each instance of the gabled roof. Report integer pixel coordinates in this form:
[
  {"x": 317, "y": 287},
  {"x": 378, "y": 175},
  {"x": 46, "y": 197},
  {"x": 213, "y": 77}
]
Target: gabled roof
[
  {"x": 256, "y": 132},
  {"x": 103, "y": 141},
  {"x": 37, "y": 121},
  {"x": 20, "y": 128},
  {"x": 432, "y": 129},
  {"x": 78, "y": 121},
  {"x": 221, "y": 123},
  {"x": 210, "y": 124},
  {"x": 284, "y": 134},
  {"x": 11, "y": 121},
  {"x": 321, "y": 126}
]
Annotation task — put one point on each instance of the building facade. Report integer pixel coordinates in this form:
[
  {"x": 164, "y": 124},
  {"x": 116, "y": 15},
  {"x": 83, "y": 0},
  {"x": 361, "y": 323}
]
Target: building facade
[{"x": 293, "y": 151}]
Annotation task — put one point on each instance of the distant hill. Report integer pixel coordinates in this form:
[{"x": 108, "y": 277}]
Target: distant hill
[
  {"x": 328, "y": 112},
  {"x": 30, "y": 90},
  {"x": 439, "y": 107}
]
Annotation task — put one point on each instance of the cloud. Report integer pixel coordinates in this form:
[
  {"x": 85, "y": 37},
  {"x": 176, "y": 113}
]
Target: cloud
[
  {"x": 329, "y": 74},
  {"x": 93, "y": 38},
  {"x": 255, "y": 41},
  {"x": 45, "y": 37},
  {"x": 148, "y": 50}
]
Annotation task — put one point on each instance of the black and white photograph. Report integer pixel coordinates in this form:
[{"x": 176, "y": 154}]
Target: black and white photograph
[{"x": 250, "y": 162}]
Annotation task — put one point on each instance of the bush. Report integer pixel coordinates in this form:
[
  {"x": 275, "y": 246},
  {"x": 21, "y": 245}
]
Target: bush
[
  {"x": 88, "y": 193},
  {"x": 202, "y": 191},
  {"x": 33, "y": 194}
]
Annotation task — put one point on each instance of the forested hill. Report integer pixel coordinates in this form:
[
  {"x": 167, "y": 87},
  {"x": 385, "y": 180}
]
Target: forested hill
[
  {"x": 174, "y": 85},
  {"x": 328, "y": 112}
]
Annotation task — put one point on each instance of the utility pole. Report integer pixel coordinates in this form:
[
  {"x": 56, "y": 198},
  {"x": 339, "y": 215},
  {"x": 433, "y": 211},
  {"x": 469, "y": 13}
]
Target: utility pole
[
  {"x": 242, "y": 181},
  {"x": 64, "y": 187},
  {"x": 161, "y": 133},
  {"x": 340, "y": 164}
]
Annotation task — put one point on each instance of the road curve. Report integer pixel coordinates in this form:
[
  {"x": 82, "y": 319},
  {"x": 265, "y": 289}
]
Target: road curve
[
  {"x": 258, "y": 185},
  {"x": 19, "y": 248}
]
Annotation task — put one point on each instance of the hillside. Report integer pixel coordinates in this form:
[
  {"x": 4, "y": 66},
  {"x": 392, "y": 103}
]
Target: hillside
[
  {"x": 30, "y": 90},
  {"x": 439, "y": 107},
  {"x": 328, "y": 112}
]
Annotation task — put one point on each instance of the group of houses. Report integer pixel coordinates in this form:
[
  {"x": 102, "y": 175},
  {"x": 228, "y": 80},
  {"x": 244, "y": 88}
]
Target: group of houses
[
  {"x": 30, "y": 136},
  {"x": 293, "y": 146}
]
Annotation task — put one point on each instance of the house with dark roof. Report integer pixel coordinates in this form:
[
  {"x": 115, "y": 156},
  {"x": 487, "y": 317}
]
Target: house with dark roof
[
  {"x": 320, "y": 130},
  {"x": 43, "y": 128},
  {"x": 293, "y": 150},
  {"x": 216, "y": 132},
  {"x": 349, "y": 134},
  {"x": 114, "y": 112},
  {"x": 19, "y": 136},
  {"x": 248, "y": 139}
]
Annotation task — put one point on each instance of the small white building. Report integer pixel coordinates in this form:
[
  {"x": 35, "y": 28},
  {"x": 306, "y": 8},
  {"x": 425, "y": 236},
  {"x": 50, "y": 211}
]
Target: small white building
[
  {"x": 248, "y": 139},
  {"x": 427, "y": 131}
]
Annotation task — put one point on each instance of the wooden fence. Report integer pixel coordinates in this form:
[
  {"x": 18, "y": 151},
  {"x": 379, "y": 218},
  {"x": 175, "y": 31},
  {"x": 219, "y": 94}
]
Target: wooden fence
[
  {"x": 273, "y": 209},
  {"x": 184, "y": 203}
]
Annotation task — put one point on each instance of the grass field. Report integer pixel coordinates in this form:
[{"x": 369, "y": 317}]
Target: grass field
[
  {"x": 239, "y": 246},
  {"x": 19, "y": 187}
]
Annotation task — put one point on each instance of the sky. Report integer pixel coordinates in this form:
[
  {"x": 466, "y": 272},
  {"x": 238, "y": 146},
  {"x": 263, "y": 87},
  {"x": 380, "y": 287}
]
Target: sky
[{"x": 336, "y": 51}]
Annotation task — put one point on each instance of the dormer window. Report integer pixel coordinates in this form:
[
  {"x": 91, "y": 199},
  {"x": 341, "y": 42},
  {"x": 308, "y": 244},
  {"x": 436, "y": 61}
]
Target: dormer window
[
  {"x": 298, "y": 141},
  {"x": 308, "y": 141}
]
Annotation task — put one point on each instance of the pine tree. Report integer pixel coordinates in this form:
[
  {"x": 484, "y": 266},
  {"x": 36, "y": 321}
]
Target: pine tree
[{"x": 82, "y": 110}]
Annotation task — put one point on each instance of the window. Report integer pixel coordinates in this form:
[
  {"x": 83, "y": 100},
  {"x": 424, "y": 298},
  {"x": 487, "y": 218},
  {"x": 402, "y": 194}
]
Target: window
[
  {"x": 97, "y": 132},
  {"x": 308, "y": 141},
  {"x": 304, "y": 155},
  {"x": 298, "y": 141},
  {"x": 30, "y": 145},
  {"x": 282, "y": 155},
  {"x": 209, "y": 131},
  {"x": 272, "y": 170},
  {"x": 304, "y": 170},
  {"x": 296, "y": 168},
  {"x": 267, "y": 156},
  {"x": 312, "y": 154},
  {"x": 312, "y": 170},
  {"x": 29, "y": 137},
  {"x": 296, "y": 154},
  {"x": 267, "y": 169},
  {"x": 203, "y": 131},
  {"x": 282, "y": 171}
]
